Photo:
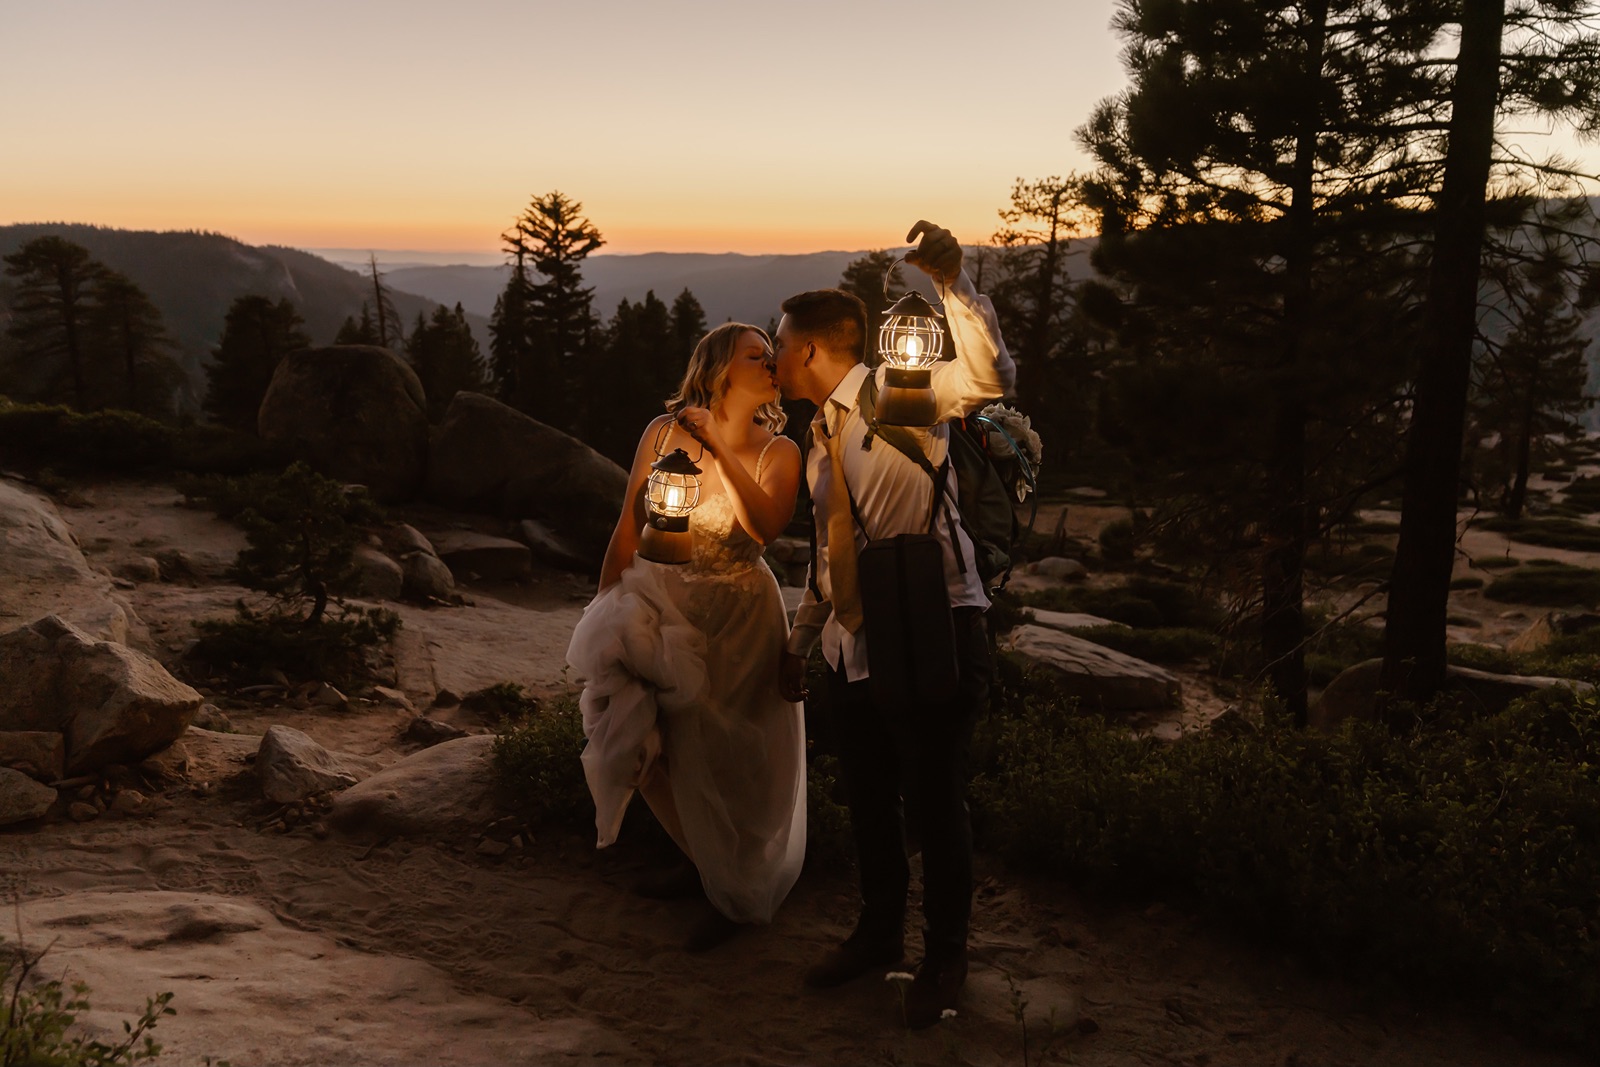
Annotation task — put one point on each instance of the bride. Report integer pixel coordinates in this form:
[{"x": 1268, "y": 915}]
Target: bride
[{"x": 680, "y": 663}]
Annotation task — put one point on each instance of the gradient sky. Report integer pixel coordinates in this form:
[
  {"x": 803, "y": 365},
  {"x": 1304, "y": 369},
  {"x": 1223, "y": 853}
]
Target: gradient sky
[{"x": 681, "y": 125}]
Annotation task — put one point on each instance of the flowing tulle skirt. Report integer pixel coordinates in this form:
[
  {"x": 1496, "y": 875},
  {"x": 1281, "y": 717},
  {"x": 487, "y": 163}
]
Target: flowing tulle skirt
[{"x": 681, "y": 701}]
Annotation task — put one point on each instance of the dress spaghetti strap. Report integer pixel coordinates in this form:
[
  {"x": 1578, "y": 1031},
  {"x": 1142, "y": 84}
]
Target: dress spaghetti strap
[{"x": 770, "y": 442}]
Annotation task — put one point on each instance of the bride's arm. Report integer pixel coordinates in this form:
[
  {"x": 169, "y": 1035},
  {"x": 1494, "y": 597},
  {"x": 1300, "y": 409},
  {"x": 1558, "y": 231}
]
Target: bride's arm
[
  {"x": 764, "y": 508},
  {"x": 625, "y": 538}
]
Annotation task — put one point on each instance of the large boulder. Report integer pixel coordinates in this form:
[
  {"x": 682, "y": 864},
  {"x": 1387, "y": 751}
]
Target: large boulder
[
  {"x": 376, "y": 575},
  {"x": 427, "y": 577},
  {"x": 40, "y": 754},
  {"x": 489, "y": 457},
  {"x": 1353, "y": 693},
  {"x": 495, "y": 559},
  {"x": 355, "y": 412},
  {"x": 443, "y": 791},
  {"x": 113, "y": 704},
  {"x": 43, "y": 572},
  {"x": 22, "y": 798},
  {"x": 291, "y": 766},
  {"x": 1101, "y": 677}
]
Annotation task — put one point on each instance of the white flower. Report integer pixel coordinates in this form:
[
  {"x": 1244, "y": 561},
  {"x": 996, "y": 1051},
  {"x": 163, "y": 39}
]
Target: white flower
[
  {"x": 1014, "y": 433},
  {"x": 899, "y": 976},
  {"x": 948, "y": 1013}
]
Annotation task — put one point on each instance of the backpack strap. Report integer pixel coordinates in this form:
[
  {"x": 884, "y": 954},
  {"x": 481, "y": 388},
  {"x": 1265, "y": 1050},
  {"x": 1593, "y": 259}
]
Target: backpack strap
[{"x": 903, "y": 442}]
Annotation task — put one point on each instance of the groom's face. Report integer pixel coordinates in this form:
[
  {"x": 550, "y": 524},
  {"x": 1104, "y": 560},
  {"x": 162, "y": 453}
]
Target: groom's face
[{"x": 792, "y": 355}]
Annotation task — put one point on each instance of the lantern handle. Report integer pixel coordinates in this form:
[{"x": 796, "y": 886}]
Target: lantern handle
[
  {"x": 666, "y": 428},
  {"x": 939, "y": 287}
]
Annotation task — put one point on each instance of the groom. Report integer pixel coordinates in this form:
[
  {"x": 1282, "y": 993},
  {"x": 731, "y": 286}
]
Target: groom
[{"x": 887, "y": 749}]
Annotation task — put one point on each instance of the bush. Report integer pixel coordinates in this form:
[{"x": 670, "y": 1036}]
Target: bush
[
  {"x": 1140, "y": 602},
  {"x": 1463, "y": 857},
  {"x": 1117, "y": 541},
  {"x": 118, "y": 442},
  {"x": 1548, "y": 533},
  {"x": 1161, "y": 644},
  {"x": 1495, "y": 563},
  {"x": 1548, "y": 584},
  {"x": 331, "y": 649},
  {"x": 538, "y": 766},
  {"x": 501, "y": 702},
  {"x": 1583, "y": 493},
  {"x": 1567, "y": 656},
  {"x": 35, "y": 1017},
  {"x": 1332, "y": 648},
  {"x": 1468, "y": 582}
]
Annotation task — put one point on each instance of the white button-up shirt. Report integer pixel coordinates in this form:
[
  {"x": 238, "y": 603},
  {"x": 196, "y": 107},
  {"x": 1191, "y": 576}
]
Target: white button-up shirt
[{"x": 893, "y": 495}]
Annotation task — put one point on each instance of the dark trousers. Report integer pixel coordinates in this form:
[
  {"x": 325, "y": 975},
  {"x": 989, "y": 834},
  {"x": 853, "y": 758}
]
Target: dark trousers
[{"x": 918, "y": 753}]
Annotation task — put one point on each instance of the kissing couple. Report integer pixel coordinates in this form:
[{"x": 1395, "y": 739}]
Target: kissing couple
[{"x": 693, "y": 678}]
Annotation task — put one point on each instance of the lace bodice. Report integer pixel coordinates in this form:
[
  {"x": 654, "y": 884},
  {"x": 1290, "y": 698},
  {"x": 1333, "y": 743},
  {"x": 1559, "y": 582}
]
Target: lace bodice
[{"x": 721, "y": 545}]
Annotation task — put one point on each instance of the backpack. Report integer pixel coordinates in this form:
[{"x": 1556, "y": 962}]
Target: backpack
[{"x": 986, "y": 512}]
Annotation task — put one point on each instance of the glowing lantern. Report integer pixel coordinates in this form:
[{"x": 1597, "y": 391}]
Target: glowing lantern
[
  {"x": 670, "y": 493},
  {"x": 910, "y": 342}
]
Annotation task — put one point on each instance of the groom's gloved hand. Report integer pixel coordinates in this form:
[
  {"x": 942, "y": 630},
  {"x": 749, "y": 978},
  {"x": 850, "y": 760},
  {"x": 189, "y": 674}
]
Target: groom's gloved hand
[
  {"x": 938, "y": 255},
  {"x": 792, "y": 677}
]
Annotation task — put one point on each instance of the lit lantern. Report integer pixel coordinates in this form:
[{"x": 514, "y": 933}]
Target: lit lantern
[
  {"x": 910, "y": 342},
  {"x": 670, "y": 493}
]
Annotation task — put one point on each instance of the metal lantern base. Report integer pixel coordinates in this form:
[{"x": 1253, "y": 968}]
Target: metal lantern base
[
  {"x": 664, "y": 540},
  {"x": 907, "y": 398}
]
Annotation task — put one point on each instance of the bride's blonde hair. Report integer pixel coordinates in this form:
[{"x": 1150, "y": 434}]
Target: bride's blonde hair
[{"x": 706, "y": 379}]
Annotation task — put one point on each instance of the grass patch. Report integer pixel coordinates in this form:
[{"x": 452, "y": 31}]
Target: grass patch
[
  {"x": 1462, "y": 857},
  {"x": 1468, "y": 582},
  {"x": 1161, "y": 644},
  {"x": 1144, "y": 603},
  {"x": 1583, "y": 493},
  {"x": 1547, "y": 583},
  {"x": 1574, "y": 656},
  {"x": 1567, "y": 533},
  {"x": 1495, "y": 563}
]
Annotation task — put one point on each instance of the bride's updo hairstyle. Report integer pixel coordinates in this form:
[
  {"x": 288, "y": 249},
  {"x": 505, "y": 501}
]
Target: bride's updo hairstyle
[{"x": 706, "y": 380}]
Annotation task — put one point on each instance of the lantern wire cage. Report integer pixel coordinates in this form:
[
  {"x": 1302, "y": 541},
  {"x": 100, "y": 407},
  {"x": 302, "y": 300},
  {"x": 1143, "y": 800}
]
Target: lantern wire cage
[
  {"x": 912, "y": 339},
  {"x": 673, "y": 487}
]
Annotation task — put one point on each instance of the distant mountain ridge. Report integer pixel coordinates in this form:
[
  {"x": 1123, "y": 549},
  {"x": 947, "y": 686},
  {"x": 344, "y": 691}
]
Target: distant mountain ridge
[{"x": 193, "y": 277}]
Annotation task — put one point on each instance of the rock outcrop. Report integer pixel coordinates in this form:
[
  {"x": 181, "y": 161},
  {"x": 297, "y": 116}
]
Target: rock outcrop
[
  {"x": 377, "y": 575},
  {"x": 43, "y": 572},
  {"x": 291, "y": 766},
  {"x": 1353, "y": 692},
  {"x": 496, "y": 559},
  {"x": 1100, "y": 677},
  {"x": 354, "y": 412},
  {"x": 446, "y": 790},
  {"x": 490, "y": 457},
  {"x": 112, "y": 704}
]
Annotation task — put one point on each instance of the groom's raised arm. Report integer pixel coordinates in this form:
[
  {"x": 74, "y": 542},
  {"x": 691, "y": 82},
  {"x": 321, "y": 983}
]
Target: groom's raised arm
[{"x": 982, "y": 370}]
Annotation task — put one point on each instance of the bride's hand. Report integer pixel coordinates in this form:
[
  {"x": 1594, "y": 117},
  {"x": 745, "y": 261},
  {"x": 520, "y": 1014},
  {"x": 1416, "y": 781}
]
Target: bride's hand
[{"x": 698, "y": 423}]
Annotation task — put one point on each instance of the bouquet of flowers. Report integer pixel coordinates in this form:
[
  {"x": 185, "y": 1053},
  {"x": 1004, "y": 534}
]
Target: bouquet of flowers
[{"x": 1011, "y": 437}]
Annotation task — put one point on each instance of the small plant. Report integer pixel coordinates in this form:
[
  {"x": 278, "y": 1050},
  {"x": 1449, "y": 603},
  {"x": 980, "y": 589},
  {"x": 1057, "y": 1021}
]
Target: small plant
[
  {"x": 1161, "y": 644},
  {"x": 36, "y": 1018},
  {"x": 1569, "y": 533},
  {"x": 501, "y": 702},
  {"x": 1547, "y": 583},
  {"x": 335, "y": 649},
  {"x": 538, "y": 766}
]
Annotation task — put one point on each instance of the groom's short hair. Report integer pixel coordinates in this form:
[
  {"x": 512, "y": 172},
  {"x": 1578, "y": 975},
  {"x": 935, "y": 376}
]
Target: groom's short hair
[{"x": 836, "y": 318}]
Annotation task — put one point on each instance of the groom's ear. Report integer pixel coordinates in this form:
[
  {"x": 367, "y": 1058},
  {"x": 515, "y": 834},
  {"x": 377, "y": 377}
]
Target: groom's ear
[{"x": 811, "y": 353}]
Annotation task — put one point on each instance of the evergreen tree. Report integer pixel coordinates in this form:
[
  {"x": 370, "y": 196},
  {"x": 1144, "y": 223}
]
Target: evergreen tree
[
  {"x": 359, "y": 332},
  {"x": 1539, "y": 57},
  {"x": 1532, "y": 387},
  {"x": 387, "y": 327},
  {"x": 688, "y": 326},
  {"x": 127, "y": 331},
  {"x": 562, "y": 333},
  {"x": 256, "y": 335},
  {"x": 864, "y": 278},
  {"x": 51, "y": 302},
  {"x": 446, "y": 358}
]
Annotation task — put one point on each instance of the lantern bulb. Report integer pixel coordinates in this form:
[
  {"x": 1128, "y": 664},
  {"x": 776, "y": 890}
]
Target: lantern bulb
[
  {"x": 674, "y": 499},
  {"x": 913, "y": 349}
]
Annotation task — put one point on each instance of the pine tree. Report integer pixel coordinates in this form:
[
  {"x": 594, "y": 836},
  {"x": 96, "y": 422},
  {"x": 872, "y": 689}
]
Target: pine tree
[
  {"x": 510, "y": 345},
  {"x": 256, "y": 335},
  {"x": 387, "y": 327},
  {"x": 128, "y": 333},
  {"x": 359, "y": 332},
  {"x": 50, "y": 306},
  {"x": 864, "y": 278},
  {"x": 446, "y": 358}
]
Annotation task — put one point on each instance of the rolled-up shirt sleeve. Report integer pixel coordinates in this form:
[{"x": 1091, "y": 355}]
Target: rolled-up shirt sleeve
[
  {"x": 982, "y": 370},
  {"x": 809, "y": 619}
]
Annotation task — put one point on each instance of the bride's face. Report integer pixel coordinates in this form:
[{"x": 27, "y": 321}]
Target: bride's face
[{"x": 752, "y": 373}]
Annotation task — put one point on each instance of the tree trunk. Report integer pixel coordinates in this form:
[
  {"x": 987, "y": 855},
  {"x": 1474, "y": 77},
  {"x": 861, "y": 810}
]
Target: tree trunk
[
  {"x": 69, "y": 323},
  {"x": 1414, "y": 634},
  {"x": 1283, "y": 566},
  {"x": 1519, "y": 482}
]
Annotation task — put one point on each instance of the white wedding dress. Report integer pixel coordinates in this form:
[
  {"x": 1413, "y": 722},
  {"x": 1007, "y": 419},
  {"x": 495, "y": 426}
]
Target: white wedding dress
[{"x": 680, "y": 700}]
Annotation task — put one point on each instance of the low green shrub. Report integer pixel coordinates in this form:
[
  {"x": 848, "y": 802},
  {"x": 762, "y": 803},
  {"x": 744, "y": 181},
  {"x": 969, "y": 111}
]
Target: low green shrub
[
  {"x": 1468, "y": 582},
  {"x": 337, "y": 648},
  {"x": 538, "y": 768},
  {"x": 36, "y": 1019},
  {"x": 1548, "y": 533},
  {"x": 1117, "y": 541},
  {"x": 1566, "y": 656},
  {"x": 1332, "y": 647},
  {"x": 1142, "y": 602},
  {"x": 118, "y": 442},
  {"x": 1583, "y": 493},
  {"x": 1548, "y": 584},
  {"x": 1496, "y": 563},
  {"x": 1161, "y": 644},
  {"x": 501, "y": 702},
  {"x": 1462, "y": 857}
]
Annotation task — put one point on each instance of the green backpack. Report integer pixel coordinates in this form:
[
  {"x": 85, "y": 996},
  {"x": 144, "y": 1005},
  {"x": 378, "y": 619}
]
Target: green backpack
[{"x": 986, "y": 511}]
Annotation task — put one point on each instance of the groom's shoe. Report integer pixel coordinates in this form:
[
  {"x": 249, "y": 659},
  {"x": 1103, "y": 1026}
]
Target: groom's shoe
[
  {"x": 935, "y": 990},
  {"x": 854, "y": 957}
]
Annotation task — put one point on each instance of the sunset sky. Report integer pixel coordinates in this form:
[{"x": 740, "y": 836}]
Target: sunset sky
[{"x": 692, "y": 125}]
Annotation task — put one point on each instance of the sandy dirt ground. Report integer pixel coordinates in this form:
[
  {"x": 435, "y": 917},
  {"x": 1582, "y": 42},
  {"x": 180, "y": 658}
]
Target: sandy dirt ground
[{"x": 294, "y": 948}]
